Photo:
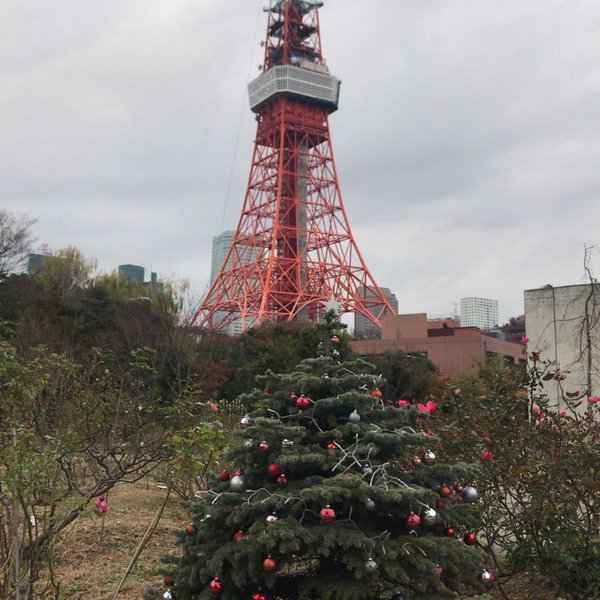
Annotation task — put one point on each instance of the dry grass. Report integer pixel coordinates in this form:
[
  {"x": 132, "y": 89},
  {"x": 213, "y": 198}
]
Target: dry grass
[{"x": 93, "y": 554}]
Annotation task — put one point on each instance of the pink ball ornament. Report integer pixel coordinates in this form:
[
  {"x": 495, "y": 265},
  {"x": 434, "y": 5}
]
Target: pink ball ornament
[
  {"x": 413, "y": 520},
  {"x": 327, "y": 514},
  {"x": 302, "y": 402}
]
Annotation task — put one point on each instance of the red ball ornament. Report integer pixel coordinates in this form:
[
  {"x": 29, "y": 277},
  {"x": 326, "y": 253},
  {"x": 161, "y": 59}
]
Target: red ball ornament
[
  {"x": 268, "y": 390},
  {"x": 302, "y": 402},
  {"x": 269, "y": 564},
  {"x": 238, "y": 535},
  {"x": 470, "y": 538},
  {"x": 449, "y": 531},
  {"x": 413, "y": 520},
  {"x": 458, "y": 488},
  {"x": 259, "y": 596},
  {"x": 274, "y": 470},
  {"x": 168, "y": 580},
  {"x": 335, "y": 339},
  {"x": 444, "y": 491},
  {"x": 327, "y": 514},
  {"x": 191, "y": 529},
  {"x": 331, "y": 446},
  {"x": 440, "y": 504},
  {"x": 224, "y": 475},
  {"x": 264, "y": 446},
  {"x": 215, "y": 586},
  {"x": 282, "y": 479},
  {"x": 416, "y": 461},
  {"x": 293, "y": 396},
  {"x": 376, "y": 393}
]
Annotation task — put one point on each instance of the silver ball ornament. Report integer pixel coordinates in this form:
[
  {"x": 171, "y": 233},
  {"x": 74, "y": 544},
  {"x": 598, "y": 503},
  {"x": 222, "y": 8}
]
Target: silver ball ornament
[
  {"x": 245, "y": 421},
  {"x": 287, "y": 443},
  {"x": 354, "y": 417},
  {"x": 237, "y": 483},
  {"x": 429, "y": 516},
  {"x": 368, "y": 471},
  {"x": 271, "y": 519},
  {"x": 167, "y": 595},
  {"x": 248, "y": 445},
  {"x": 370, "y": 505},
  {"x": 370, "y": 565},
  {"x": 429, "y": 457},
  {"x": 470, "y": 494}
]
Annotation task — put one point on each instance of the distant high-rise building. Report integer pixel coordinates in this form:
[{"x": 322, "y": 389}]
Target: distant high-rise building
[
  {"x": 220, "y": 247},
  {"x": 364, "y": 328},
  {"x": 137, "y": 274},
  {"x": 35, "y": 264},
  {"x": 478, "y": 312},
  {"x": 132, "y": 273}
]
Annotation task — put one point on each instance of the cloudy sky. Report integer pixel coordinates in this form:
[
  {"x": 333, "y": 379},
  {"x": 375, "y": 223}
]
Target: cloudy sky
[{"x": 467, "y": 141}]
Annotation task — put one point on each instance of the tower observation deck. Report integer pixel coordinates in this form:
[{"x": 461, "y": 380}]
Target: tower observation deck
[{"x": 293, "y": 254}]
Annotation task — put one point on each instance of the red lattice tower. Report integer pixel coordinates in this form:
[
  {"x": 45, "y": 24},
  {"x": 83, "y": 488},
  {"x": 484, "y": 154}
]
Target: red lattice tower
[{"x": 293, "y": 254}]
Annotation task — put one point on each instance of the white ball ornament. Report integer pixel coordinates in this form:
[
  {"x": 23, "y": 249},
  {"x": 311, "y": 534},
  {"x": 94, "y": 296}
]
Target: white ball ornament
[
  {"x": 370, "y": 505},
  {"x": 245, "y": 421},
  {"x": 271, "y": 519}
]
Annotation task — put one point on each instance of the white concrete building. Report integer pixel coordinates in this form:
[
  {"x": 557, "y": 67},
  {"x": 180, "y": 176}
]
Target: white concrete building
[
  {"x": 478, "y": 312},
  {"x": 563, "y": 325}
]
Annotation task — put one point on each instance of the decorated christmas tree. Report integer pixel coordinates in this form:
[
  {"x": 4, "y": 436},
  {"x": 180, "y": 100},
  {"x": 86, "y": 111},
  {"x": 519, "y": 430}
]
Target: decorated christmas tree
[{"x": 333, "y": 493}]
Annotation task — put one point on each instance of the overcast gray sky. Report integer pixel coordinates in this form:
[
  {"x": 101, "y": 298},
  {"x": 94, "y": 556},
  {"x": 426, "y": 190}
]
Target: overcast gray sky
[{"x": 467, "y": 140}]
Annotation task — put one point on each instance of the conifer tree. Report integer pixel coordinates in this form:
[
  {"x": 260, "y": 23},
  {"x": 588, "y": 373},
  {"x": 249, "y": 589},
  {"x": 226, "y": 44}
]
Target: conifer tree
[{"x": 332, "y": 494}]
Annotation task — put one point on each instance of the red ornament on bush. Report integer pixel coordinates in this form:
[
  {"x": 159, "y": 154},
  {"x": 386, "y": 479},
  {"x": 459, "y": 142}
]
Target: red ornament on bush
[
  {"x": 224, "y": 475},
  {"x": 335, "y": 339},
  {"x": 444, "y": 491},
  {"x": 416, "y": 461},
  {"x": 282, "y": 479},
  {"x": 449, "y": 531},
  {"x": 327, "y": 514},
  {"x": 238, "y": 535},
  {"x": 440, "y": 504},
  {"x": 191, "y": 529},
  {"x": 376, "y": 393},
  {"x": 215, "y": 587},
  {"x": 331, "y": 446},
  {"x": 269, "y": 564},
  {"x": 413, "y": 520},
  {"x": 268, "y": 390},
  {"x": 168, "y": 580},
  {"x": 259, "y": 596},
  {"x": 274, "y": 470},
  {"x": 470, "y": 538},
  {"x": 302, "y": 402},
  {"x": 458, "y": 488},
  {"x": 264, "y": 446}
]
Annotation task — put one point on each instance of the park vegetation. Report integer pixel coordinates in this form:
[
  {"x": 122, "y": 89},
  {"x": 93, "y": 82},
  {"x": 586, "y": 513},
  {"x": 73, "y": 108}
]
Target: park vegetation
[{"x": 102, "y": 382}]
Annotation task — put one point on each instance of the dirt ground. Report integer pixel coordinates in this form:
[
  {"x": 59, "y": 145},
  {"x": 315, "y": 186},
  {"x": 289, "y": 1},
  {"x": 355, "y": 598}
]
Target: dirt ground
[{"x": 93, "y": 554}]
